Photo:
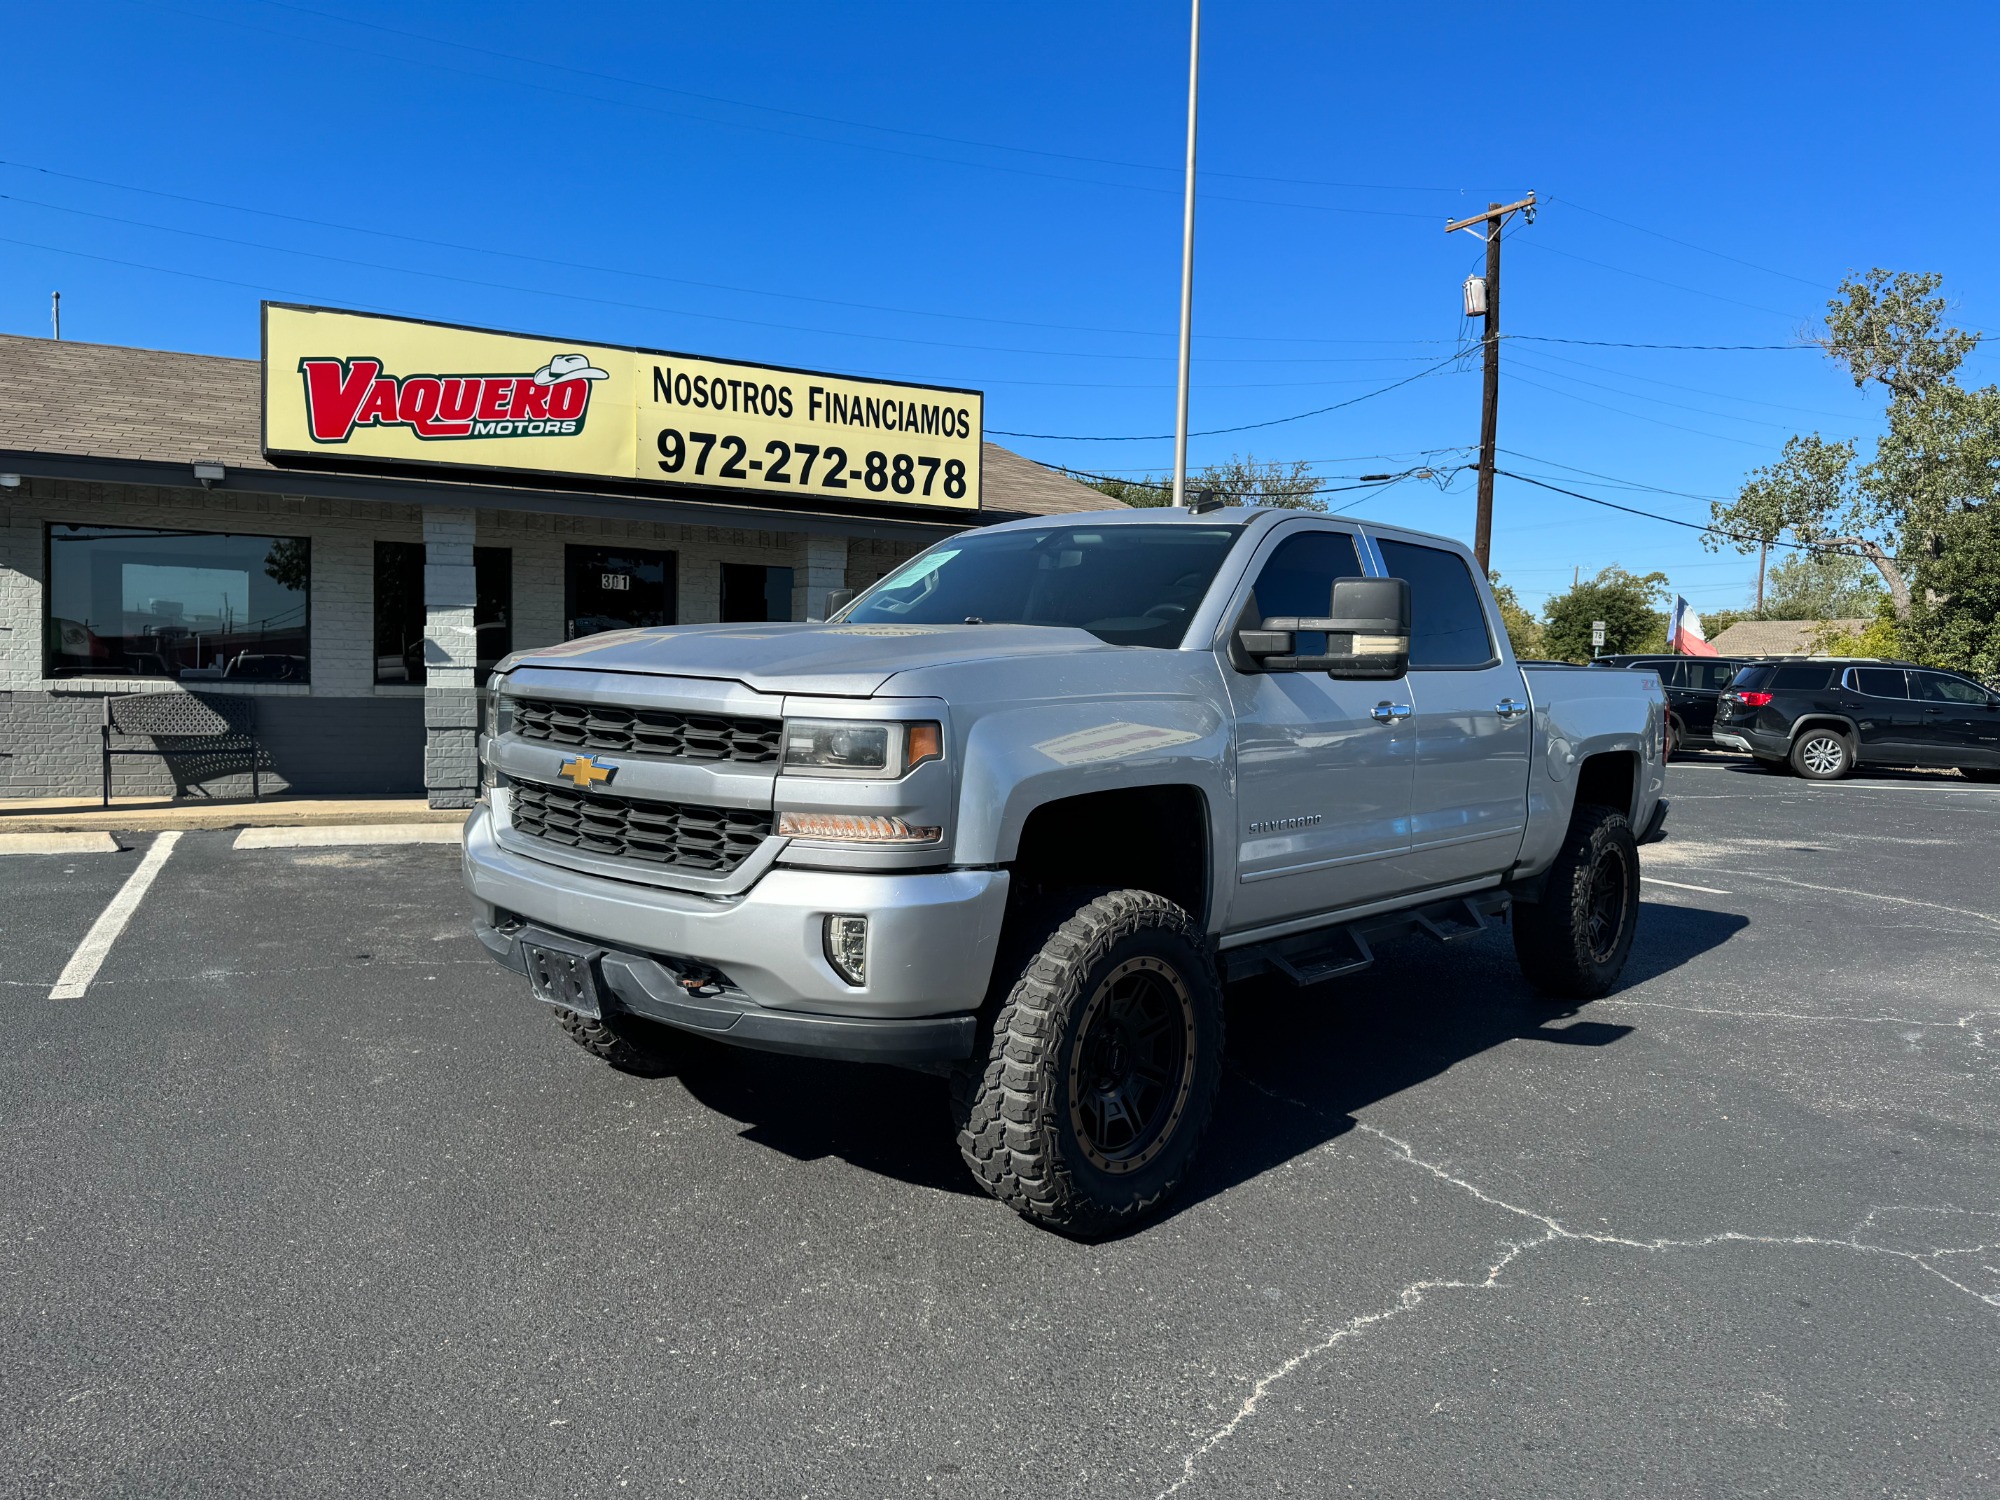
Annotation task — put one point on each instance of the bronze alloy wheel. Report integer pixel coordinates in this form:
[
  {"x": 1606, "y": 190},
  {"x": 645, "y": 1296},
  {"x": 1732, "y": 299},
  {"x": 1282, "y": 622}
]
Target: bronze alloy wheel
[
  {"x": 1133, "y": 1065},
  {"x": 1605, "y": 914}
]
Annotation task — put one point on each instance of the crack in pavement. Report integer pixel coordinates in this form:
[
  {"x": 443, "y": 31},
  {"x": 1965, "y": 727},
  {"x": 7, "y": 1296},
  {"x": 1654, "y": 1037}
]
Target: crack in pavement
[
  {"x": 1964, "y": 1023},
  {"x": 1552, "y": 1232}
]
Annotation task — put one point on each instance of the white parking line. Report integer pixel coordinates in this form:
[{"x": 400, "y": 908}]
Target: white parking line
[
  {"x": 57, "y": 843},
  {"x": 1706, "y": 890},
  {"x": 96, "y": 945},
  {"x": 347, "y": 834}
]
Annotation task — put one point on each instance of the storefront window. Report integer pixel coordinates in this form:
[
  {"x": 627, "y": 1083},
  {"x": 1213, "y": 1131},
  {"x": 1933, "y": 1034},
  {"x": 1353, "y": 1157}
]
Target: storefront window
[
  {"x": 617, "y": 588},
  {"x": 129, "y": 601},
  {"x": 751, "y": 591},
  {"x": 399, "y": 608}
]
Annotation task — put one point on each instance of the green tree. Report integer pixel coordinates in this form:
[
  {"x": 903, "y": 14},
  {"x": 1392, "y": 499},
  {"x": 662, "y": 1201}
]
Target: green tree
[
  {"x": 1821, "y": 586},
  {"x": 1935, "y": 468},
  {"x": 1627, "y": 604},
  {"x": 1238, "y": 481},
  {"x": 1140, "y": 492},
  {"x": 1524, "y": 631}
]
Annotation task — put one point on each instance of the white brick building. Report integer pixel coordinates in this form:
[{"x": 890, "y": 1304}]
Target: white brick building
[{"x": 305, "y": 589}]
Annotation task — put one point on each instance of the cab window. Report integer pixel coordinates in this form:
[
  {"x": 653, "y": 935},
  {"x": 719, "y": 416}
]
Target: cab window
[
  {"x": 1447, "y": 620},
  {"x": 1298, "y": 578}
]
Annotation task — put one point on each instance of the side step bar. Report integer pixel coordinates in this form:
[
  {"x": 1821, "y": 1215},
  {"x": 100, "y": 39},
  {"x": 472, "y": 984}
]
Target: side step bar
[{"x": 1314, "y": 957}]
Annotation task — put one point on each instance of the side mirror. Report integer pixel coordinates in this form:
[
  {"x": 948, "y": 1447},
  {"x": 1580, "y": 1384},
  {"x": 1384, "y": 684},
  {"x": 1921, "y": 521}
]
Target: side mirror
[
  {"x": 1367, "y": 629},
  {"x": 839, "y": 599}
]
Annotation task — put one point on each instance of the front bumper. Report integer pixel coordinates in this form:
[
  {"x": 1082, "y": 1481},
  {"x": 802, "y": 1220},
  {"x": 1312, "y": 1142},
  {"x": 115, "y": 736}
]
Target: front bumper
[
  {"x": 647, "y": 987},
  {"x": 931, "y": 936}
]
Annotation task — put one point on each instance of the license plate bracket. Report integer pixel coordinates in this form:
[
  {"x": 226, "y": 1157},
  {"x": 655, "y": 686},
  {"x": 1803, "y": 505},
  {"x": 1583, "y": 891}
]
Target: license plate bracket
[{"x": 563, "y": 977}]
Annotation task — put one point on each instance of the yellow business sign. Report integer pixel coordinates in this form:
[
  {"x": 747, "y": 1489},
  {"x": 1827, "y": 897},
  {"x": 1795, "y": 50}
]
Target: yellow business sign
[{"x": 354, "y": 387}]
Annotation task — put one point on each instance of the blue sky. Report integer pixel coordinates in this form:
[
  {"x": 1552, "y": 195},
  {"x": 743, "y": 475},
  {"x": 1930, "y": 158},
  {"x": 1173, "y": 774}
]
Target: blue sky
[{"x": 990, "y": 196}]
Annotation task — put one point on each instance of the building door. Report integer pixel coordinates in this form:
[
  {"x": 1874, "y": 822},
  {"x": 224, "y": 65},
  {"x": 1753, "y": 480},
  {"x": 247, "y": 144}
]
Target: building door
[
  {"x": 752, "y": 591},
  {"x": 1472, "y": 726},
  {"x": 617, "y": 588},
  {"x": 1323, "y": 785}
]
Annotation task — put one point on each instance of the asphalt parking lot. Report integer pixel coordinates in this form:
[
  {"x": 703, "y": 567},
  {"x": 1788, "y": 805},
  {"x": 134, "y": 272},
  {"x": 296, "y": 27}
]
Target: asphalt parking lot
[{"x": 303, "y": 1195}]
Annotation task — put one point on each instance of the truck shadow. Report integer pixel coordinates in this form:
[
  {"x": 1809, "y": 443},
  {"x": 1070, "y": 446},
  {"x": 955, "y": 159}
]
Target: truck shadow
[{"x": 1301, "y": 1061}]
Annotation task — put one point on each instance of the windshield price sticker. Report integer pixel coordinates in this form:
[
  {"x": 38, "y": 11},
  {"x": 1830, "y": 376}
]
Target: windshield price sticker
[{"x": 358, "y": 388}]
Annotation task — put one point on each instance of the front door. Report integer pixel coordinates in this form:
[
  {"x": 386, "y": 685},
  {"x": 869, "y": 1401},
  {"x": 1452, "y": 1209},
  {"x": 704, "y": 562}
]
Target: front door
[
  {"x": 1472, "y": 724},
  {"x": 1323, "y": 785},
  {"x": 1961, "y": 721},
  {"x": 617, "y": 588}
]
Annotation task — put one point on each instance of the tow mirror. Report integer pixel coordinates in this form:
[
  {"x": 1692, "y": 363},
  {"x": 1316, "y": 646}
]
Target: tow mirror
[{"x": 1367, "y": 630}]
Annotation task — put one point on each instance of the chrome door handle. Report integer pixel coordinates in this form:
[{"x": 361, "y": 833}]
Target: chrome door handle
[
  {"x": 1389, "y": 713},
  {"x": 1510, "y": 708}
]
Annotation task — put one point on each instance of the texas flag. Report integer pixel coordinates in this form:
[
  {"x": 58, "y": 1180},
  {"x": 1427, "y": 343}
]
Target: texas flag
[{"x": 1684, "y": 631}]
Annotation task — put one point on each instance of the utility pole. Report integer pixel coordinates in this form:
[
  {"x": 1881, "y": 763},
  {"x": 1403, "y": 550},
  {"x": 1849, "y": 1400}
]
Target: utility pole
[
  {"x": 1763, "y": 551},
  {"x": 1494, "y": 219},
  {"x": 1187, "y": 267},
  {"x": 55, "y": 312}
]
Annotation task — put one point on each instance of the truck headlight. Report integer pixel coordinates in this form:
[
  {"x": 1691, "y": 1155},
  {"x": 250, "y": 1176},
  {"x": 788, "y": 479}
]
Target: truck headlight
[{"x": 873, "y": 748}]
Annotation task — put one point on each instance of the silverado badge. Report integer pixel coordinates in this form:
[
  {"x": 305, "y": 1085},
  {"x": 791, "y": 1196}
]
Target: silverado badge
[{"x": 584, "y": 770}]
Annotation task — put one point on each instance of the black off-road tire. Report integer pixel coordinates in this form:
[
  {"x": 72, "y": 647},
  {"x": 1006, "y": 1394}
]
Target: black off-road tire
[
  {"x": 1572, "y": 944},
  {"x": 1822, "y": 754},
  {"x": 628, "y": 1043},
  {"x": 1096, "y": 983}
]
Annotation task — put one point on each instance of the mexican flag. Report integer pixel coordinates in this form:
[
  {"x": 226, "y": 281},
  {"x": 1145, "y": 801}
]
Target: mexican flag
[{"x": 1684, "y": 634}]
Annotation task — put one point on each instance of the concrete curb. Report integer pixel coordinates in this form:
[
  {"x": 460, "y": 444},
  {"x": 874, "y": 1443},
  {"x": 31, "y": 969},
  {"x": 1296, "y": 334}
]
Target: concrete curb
[
  {"x": 190, "y": 816},
  {"x": 346, "y": 834},
  {"x": 57, "y": 843}
]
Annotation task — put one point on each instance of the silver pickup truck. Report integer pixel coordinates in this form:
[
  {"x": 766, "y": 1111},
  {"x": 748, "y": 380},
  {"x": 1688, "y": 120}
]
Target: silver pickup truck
[{"x": 1018, "y": 811}]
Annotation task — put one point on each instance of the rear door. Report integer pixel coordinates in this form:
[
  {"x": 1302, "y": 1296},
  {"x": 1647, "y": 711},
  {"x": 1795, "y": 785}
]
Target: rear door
[
  {"x": 1472, "y": 724},
  {"x": 1323, "y": 784},
  {"x": 1885, "y": 717}
]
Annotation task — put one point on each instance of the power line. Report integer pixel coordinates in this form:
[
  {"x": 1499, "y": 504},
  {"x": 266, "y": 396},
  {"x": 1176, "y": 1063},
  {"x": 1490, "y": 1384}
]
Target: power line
[
  {"x": 1720, "y": 437},
  {"x": 570, "y": 92},
  {"x": 1734, "y": 536},
  {"x": 1657, "y": 281},
  {"x": 1387, "y": 187},
  {"x": 1690, "y": 245},
  {"x": 1074, "y": 437},
  {"x": 575, "y": 265},
  {"x": 1598, "y": 385},
  {"x": 1544, "y": 338}
]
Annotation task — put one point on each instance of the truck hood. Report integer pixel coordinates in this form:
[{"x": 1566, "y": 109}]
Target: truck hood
[{"x": 834, "y": 661}]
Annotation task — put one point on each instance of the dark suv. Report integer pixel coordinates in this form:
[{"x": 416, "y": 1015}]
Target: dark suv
[
  {"x": 1825, "y": 717},
  {"x": 1694, "y": 687}
]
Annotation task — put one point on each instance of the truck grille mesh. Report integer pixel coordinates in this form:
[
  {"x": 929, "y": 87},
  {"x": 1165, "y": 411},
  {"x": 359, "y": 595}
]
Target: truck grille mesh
[
  {"x": 665, "y": 732},
  {"x": 670, "y": 835}
]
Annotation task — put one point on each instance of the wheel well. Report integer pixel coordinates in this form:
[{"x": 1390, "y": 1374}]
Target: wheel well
[
  {"x": 1608, "y": 780},
  {"x": 1152, "y": 838},
  {"x": 1823, "y": 721}
]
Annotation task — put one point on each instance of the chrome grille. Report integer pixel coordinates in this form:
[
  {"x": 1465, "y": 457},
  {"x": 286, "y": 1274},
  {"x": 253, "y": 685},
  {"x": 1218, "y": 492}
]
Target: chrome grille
[
  {"x": 665, "y": 732},
  {"x": 670, "y": 835}
]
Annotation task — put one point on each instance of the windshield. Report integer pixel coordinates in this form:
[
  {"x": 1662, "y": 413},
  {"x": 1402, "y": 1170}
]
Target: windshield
[{"x": 1132, "y": 585}]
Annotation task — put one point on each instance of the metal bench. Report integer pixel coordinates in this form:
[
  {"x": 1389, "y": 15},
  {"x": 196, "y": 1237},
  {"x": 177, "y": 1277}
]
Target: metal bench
[{"x": 183, "y": 724}]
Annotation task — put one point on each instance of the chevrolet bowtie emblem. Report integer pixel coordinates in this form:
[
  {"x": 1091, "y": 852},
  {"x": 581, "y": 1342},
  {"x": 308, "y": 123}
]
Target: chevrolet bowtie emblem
[{"x": 584, "y": 770}]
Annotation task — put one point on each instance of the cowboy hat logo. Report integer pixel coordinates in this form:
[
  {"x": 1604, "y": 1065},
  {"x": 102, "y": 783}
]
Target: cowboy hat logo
[{"x": 568, "y": 367}]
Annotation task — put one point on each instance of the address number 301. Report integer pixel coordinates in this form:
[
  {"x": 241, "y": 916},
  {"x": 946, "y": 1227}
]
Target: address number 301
[{"x": 810, "y": 464}]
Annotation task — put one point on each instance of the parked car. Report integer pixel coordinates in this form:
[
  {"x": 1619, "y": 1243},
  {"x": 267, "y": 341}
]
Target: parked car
[
  {"x": 1694, "y": 687},
  {"x": 1824, "y": 717},
  {"x": 1016, "y": 812}
]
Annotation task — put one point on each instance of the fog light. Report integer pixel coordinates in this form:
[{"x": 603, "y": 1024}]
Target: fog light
[{"x": 847, "y": 947}]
